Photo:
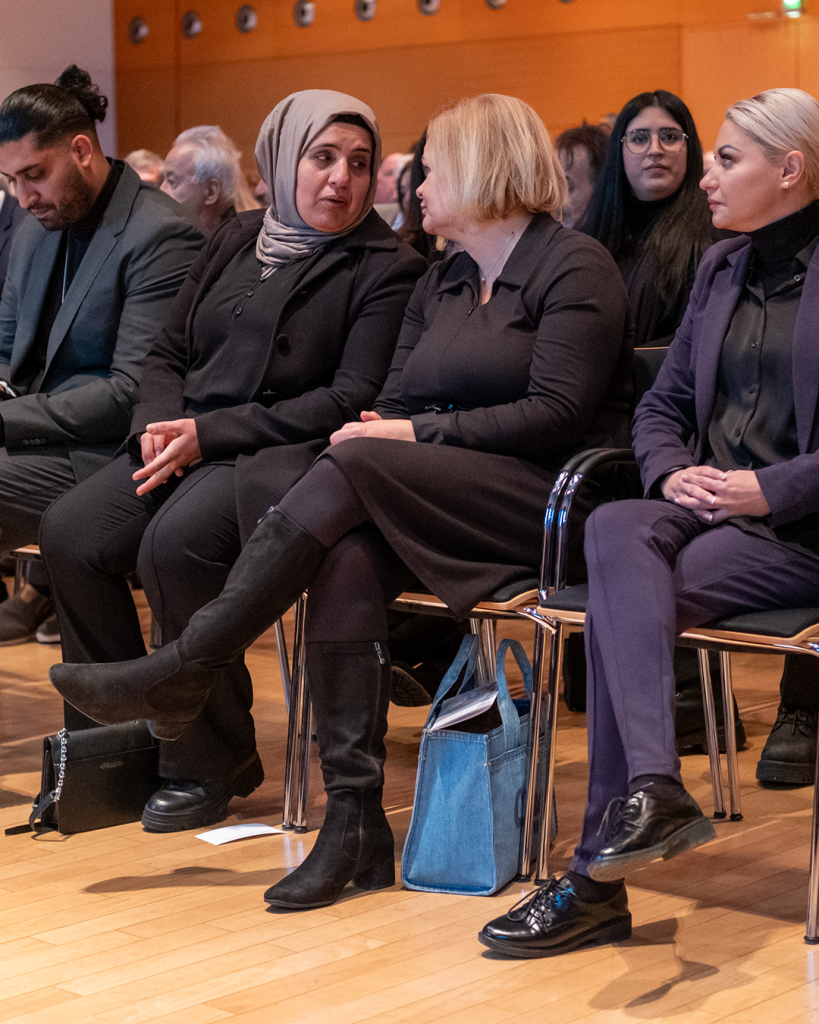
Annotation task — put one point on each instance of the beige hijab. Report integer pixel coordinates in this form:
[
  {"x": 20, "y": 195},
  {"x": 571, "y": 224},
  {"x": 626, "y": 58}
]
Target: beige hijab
[{"x": 283, "y": 140}]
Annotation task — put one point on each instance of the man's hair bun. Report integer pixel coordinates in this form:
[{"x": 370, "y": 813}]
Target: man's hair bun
[{"x": 79, "y": 84}]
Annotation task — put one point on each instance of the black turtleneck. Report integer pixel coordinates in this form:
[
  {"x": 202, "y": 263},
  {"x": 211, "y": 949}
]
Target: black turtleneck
[
  {"x": 656, "y": 317},
  {"x": 641, "y": 213},
  {"x": 754, "y": 422}
]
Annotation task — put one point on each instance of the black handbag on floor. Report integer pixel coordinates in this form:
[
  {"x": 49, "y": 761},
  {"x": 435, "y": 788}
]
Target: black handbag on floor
[{"x": 95, "y": 778}]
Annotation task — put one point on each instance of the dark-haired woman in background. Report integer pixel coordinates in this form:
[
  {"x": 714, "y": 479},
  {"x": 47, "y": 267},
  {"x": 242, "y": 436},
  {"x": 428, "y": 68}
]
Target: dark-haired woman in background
[
  {"x": 650, "y": 213},
  {"x": 412, "y": 230}
]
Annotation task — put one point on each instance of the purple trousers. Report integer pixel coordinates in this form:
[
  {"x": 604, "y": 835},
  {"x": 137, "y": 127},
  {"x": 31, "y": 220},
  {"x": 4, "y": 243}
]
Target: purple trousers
[{"x": 654, "y": 571}]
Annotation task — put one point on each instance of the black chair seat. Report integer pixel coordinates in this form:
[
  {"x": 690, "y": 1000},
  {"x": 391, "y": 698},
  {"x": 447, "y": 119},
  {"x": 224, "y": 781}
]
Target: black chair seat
[
  {"x": 508, "y": 592},
  {"x": 570, "y": 599},
  {"x": 778, "y": 622}
]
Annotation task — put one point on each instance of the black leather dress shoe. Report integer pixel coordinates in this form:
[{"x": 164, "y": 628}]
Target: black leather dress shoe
[
  {"x": 181, "y": 805},
  {"x": 789, "y": 755},
  {"x": 555, "y": 920},
  {"x": 649, "y": 828}
]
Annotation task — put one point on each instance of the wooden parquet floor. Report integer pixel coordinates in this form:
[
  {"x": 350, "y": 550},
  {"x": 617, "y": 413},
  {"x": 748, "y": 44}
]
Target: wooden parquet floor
[{"x": 124, "y": 926}]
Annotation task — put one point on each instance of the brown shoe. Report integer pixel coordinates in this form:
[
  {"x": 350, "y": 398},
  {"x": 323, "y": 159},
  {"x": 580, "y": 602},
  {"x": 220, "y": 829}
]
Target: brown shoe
[{"x": 21, "y": 615}]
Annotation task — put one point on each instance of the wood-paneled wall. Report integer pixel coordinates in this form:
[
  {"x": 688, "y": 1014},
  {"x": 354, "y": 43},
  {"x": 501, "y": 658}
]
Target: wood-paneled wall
[{"x": 569, "y": 60}]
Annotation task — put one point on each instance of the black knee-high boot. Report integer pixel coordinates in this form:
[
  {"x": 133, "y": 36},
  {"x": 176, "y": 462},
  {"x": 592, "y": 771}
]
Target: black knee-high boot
[
  {"x": 349, "y": 689},
  {"x": 170, "y": 687}
]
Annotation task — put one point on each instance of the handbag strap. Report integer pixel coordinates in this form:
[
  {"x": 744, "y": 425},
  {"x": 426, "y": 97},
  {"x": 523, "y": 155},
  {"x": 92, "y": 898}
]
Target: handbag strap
[
  {"x": 467, "y": 655},
  {"x": 506, "y": 706},
  {"x": 53, "y": 797}
]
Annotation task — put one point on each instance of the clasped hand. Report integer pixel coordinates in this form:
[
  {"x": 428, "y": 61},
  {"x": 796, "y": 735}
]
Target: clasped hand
[
  {"x": 372, "y": 425},
  {"x": 715, "y": 496},
  {"x": 166, "y": 449}
]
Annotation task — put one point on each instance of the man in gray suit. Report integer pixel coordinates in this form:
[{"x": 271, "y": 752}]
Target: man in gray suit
[
  {"x": 91, "y": 278},
  {"x": 11, "y": 216}
]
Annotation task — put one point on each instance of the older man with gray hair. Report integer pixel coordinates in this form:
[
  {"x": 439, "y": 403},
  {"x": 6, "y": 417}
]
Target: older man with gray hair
[{"x": 202, "y": 173}]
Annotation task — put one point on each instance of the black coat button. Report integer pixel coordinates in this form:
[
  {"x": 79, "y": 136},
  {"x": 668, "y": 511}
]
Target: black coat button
[{"x": 282, "y": 343}]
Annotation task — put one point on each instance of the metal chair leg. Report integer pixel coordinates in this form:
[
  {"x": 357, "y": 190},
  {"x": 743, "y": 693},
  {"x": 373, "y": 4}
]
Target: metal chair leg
[
  {"x": 548, "y": 783},
  {"x": 284, "y": 664},
  {"x": 298, "y": 735},
  {"x": 711, "y": 739},
  {"x": 812, "y": 929},
  {"x": 730, "y": 736},
  {"x": 489, "y": 647},
  {"x": 485, "y": 675},
  {"x": 19, "y": 572},
  {"x": 533, "y": 755}
]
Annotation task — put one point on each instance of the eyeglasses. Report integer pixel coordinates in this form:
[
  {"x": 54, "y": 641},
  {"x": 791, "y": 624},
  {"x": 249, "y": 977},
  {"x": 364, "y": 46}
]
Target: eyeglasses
[{"x": 639, "y": 139}]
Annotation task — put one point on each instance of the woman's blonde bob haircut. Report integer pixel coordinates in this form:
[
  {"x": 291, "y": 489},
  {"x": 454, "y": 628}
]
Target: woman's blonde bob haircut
[
  {"x": 780, "y": 121},
  {"x": 496, "y": 157}
]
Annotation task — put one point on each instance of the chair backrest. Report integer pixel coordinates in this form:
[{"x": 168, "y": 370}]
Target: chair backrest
[{"x": 647, "y": 363}]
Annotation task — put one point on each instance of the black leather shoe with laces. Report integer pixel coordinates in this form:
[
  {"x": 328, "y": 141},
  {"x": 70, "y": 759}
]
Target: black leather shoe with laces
[
  {"x": 789, "y": 755},
  {"x": 181, "y": 805},
  {"x": 648, "y": 828},
  {"x": 553, "y": 919}
]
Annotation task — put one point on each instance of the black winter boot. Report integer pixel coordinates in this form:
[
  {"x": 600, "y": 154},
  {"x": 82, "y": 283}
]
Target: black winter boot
[
  {"x": 170, "y": 687},
  {"x": 349, "y": 689}
]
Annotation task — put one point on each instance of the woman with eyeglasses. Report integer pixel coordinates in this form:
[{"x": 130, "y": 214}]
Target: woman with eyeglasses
[
  {"x": 650, "y": 213},
  {"x": 728, "y": 446}
]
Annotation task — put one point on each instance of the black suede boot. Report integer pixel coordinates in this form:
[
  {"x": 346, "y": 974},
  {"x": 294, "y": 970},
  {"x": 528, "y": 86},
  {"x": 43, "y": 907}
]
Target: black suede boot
[
  {"x": 170, "y": 687},
  {"x": 349, "y": 689}
]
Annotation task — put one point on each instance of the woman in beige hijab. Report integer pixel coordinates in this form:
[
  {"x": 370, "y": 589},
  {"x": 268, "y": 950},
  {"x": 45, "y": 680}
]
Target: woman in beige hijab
[{"x": 283, "y": 333}]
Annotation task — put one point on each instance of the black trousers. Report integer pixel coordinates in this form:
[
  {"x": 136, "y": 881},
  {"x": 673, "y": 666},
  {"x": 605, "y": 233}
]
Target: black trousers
[
  {"x": 182, "y": 538},
  {"x": 655, "y": 570}
]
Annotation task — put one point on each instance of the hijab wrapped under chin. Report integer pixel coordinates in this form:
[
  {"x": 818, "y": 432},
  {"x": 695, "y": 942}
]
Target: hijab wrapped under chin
[{"x": 283, "y": 140}]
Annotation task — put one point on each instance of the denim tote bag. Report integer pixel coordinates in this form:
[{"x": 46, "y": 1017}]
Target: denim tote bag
[{"x": 464, "y": 833}]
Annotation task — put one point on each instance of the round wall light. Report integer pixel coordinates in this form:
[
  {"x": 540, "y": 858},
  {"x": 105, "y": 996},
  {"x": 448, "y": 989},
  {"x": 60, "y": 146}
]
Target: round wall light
[
  {"x": 137, "y": 30},
  {"x": 191, "y": 24},
  {"x": 365, "y": 10},
  {"x": 246, "y": 18},
  {"x": 303, "y": 13},
  {"x": 429, "y": 6},
  {"x": 496, "y": 5}
]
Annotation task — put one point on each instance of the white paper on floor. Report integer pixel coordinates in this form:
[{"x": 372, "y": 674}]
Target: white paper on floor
[{"x": 233, "y": 832}]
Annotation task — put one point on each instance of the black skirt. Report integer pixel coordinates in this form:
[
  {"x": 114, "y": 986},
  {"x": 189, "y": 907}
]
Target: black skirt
[{"x": 465, "y": 522}]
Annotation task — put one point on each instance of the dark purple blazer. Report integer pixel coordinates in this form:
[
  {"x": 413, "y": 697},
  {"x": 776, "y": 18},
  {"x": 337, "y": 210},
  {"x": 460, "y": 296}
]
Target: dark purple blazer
[
  {"x": 11, "y": 215},
  {"x": 671, "y": 422}
]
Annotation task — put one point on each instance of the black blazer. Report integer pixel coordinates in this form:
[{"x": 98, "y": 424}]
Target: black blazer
[
  {"x": 135, "y": 264},
  {"x": 328, "y": 356},
  {"x": 11, "y": 214},
  {"x": 672, "y": 420}
]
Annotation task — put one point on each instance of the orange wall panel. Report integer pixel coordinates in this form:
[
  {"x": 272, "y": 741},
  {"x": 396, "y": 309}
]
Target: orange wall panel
[
  {"x": 566, "y": 78},
  {"x": 146, "y": 110},
  {"x": 158, "y": 49},
  {"x": 725, "y": 63},
  {"x": 569, "y": 61}
]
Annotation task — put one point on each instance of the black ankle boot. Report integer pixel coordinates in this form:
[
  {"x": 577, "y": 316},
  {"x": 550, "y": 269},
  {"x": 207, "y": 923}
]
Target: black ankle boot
[
  {"x": 170, "y": 687},
  {"x": 355, "y": 844},
  {"x": 349, "y": 689}
]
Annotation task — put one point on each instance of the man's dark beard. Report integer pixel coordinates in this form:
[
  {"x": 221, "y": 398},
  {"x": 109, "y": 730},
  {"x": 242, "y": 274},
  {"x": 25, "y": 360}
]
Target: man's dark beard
[{"x": 74, "y": 206}]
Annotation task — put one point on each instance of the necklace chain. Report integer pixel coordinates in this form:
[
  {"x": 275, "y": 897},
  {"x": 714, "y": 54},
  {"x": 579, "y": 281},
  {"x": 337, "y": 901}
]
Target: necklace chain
[{"x": 505, "y": 253}]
